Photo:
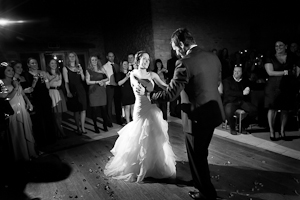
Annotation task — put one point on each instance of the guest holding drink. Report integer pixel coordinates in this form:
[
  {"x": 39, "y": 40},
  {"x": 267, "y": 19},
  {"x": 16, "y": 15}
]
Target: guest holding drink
[
  {"x": 22, "y": 143},
  {"x": 76, "y": 102},
  {"x": 53, "y": 83},
  {"x": 127, "y": 95},
  {"x": 43, "y": 126}
]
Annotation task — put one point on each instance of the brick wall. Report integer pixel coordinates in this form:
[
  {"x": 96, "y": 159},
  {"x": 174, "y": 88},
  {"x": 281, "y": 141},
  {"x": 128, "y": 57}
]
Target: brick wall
[{"x": 210, "y": 28}]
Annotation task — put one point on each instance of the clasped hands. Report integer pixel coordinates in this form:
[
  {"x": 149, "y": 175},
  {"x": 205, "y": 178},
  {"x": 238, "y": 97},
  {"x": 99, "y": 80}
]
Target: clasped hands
[
  {"x": 140, "y": 89},
  {"x": 246, "y": 91}
]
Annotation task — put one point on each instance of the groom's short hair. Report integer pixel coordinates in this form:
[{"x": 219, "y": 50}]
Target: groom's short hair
[{"x": 182, "y": 35}]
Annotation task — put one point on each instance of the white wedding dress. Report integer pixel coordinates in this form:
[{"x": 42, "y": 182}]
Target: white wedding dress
[{"x": 143, "y": 148}]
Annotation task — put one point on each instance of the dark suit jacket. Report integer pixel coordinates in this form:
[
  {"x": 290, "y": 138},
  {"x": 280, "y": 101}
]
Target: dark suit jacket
[{"x": 196, "y": 79}]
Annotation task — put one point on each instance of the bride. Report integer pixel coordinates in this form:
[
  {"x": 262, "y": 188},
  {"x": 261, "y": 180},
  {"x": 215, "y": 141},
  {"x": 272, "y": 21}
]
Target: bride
[{"x": 143, "y": 148}]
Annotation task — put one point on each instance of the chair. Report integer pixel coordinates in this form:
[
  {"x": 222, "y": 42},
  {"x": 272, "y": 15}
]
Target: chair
[{"x": 239, "y": 115}]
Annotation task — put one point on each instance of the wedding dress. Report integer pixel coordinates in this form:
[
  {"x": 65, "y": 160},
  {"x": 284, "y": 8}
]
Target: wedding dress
[{"x": 143, "y": 148}]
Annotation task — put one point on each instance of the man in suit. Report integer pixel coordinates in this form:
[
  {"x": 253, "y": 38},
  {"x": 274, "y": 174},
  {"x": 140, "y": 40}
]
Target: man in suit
[
  {"x": 112, "y": 90},
  {"x": 195, "y": 79}
]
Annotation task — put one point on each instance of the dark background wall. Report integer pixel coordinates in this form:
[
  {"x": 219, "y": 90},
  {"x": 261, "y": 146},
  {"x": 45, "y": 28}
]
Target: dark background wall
[{"x": 128, "y": 26}]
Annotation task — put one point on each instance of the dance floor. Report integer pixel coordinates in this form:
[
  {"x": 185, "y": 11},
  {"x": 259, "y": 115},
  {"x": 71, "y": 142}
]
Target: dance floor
[{"x": 239, "y": 170}]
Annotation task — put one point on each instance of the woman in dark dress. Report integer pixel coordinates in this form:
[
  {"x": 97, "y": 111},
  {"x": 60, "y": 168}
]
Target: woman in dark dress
[
  {"x": 42, "y": 114},
  {"x": 279, "y": 94},
  {"x": 74, "y": 77},
  {"x": 127, "y": 97},
  {"x": 162, "y": 73},
  {"x": 96, "y": 77}
]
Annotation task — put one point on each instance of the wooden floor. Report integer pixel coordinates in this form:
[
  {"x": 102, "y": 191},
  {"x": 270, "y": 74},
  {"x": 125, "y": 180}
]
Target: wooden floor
[{"x": 238, "y": 171}]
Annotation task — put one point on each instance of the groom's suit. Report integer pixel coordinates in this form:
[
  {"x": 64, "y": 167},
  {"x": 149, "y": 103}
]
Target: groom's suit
[{"x": 196, "y": 78}]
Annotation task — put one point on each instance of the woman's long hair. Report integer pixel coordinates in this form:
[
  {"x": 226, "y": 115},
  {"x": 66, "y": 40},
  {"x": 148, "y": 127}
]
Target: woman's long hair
[
  {"x": 48, "y": 68},
  {"x": 99, "y": 64},
  {"x": 68, "y": 60},
  {"x": 155, "y": 65}
]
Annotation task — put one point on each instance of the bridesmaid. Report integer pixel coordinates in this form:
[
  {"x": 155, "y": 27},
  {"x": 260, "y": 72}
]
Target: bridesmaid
[
  {"x": 22, "y": 143},
  {"x": 96, "y": 77},
  {"x": 74, "y": 77},
  {"x": 53, "y": 83},
  {"x": 42, "y": 120}
]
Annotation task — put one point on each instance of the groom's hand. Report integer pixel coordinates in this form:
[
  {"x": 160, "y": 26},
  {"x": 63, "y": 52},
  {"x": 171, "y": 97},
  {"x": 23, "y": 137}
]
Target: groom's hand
[{"x": 141, "y": 90}]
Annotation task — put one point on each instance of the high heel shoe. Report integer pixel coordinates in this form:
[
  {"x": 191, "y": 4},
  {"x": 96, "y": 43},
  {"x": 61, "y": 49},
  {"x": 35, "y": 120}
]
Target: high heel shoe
[
  {"x": 282, "y": 135},
  {"x": 97, "y": 129},
  {"x": 273, "y": 138}
]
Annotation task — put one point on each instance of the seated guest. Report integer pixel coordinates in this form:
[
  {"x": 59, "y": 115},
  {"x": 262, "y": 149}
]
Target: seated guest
[{"x": 236, "y": 96}]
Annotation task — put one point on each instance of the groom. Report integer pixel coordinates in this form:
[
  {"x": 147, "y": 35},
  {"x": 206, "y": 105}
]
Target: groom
[{"x": 196, "y": 79}]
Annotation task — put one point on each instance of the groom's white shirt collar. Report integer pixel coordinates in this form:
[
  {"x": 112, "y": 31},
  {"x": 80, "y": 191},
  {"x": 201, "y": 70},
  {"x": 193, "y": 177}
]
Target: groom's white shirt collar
[{"x": 192, "y": 46}]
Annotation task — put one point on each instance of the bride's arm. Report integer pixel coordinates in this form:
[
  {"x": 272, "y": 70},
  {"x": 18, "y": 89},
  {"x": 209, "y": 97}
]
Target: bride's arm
[
  {"x": 158, "y": 81},
  {"x": 133, "y": 81}
]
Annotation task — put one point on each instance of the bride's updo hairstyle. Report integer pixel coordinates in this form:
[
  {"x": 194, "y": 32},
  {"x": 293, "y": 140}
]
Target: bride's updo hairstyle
[{"x": 138, "y": 56}]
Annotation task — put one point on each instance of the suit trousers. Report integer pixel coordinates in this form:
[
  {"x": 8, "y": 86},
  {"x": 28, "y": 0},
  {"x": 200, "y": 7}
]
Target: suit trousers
[
  {"x": 197, "y": 145},
  {"x": 113, "y": 94},
  {"x": 248, "y": 107}
]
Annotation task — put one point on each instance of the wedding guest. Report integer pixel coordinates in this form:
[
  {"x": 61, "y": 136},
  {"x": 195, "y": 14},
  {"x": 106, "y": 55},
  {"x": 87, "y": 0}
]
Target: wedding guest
[
  {"x": 76, "y": 102},
  {"x": 226, "y": 63},
  {"x": 174, "y": 106},
  {"x": 43, "y": 125},
  {"x": 279, "y": 87},
  {"x": 127, "y": 95},
  {"x": 19, "y": 76},
  {"x": 96, "y": 77},
  {"x": 236, "y": 90},
  {"x": 131, "y": 64},
  {"x": 53, "y": 83},
  {"x": 21, "y": 139},
  {"x": 113, "y": 90},
  {"x": 162, "y": 73}
]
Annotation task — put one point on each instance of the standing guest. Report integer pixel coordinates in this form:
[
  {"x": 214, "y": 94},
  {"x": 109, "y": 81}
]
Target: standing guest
[
  {"x": 42, "y": 120},
  {"x": 162, "y": 73},
  {"x": 112, "y": 89},
  {"x": 279, "y": 87},
  {"x": 236, "y": 90},
  {"x": 53, "y": 83},
  {"x": 294, "y": 49},
  {"x": 127, "y": 95},
  {"x": 226, "y": 63},
  {"x": 19, "y": 76},
  {"x": 175, "y": 104},
  {"x": 96, "y": 77},
  {"x": 76, "y": 102},
  {"x": 131, "y": 64},
  {"x": 202, "y": 108},
  {"x": 20, "y": 127}
]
